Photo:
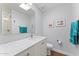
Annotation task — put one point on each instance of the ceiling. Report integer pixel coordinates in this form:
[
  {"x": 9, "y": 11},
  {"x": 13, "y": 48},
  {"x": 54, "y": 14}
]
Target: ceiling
[
  {"x": 16, "y": 7},
  {"x": 43, "y": 7}
]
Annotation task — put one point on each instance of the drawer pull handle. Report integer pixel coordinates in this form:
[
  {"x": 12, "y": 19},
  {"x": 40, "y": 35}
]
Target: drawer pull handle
[
  {"x": 28, "y": 54},
  {"x": 42, "y": 43}
]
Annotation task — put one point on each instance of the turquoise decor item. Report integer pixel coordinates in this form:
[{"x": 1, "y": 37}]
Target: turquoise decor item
[{"x": 22, "y": 29}]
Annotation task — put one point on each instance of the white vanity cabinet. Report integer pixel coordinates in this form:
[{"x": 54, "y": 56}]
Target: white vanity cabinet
[
  {"x": 39, "y": 49},
  {"x": 36, "y": 46}
]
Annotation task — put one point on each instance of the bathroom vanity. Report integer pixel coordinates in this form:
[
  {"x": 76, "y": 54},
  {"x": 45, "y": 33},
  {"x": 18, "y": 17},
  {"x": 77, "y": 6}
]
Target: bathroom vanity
[{"x": 35, "y": 46}]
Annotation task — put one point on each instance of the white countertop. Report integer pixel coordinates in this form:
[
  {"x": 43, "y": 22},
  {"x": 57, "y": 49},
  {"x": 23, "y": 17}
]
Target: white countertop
[{"x": 13, "y": 48}]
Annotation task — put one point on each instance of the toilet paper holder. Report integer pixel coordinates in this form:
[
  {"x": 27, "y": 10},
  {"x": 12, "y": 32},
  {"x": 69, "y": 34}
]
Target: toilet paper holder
[{"x": 59, "y": 42}]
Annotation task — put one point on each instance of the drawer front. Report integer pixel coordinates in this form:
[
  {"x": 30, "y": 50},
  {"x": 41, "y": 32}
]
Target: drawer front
[{"x": 24, "y": 53}]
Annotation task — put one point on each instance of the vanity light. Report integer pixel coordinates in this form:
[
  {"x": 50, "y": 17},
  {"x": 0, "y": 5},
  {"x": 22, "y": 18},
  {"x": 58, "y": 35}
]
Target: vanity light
[{"x": 25, "y": 6}]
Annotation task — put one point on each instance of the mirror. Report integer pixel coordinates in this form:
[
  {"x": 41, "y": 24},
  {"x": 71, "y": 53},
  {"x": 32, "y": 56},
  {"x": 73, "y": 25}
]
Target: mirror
[{"x": 14, "y": 19}]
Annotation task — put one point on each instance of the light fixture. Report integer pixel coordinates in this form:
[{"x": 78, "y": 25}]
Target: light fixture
[
  {"x": 6, "y": 19},
  {"x": 25, "y": 6}
]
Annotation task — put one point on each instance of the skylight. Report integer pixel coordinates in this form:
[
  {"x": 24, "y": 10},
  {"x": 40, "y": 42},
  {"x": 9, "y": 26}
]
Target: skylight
[{"x": 25, "y": 6}]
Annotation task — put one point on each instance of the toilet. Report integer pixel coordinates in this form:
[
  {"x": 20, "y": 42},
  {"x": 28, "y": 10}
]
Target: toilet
[{"x": 49, "y": 48}]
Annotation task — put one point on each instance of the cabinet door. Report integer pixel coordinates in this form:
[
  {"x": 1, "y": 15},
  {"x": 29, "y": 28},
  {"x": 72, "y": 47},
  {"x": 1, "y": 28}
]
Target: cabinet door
[
  {"x": 36, "y": 49},
  {"x": 40, "y": 49},
  {"x": 43, "y": 48}
]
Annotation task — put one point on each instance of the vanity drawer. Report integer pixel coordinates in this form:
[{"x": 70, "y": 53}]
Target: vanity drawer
[{"x": 23, "y": 53}]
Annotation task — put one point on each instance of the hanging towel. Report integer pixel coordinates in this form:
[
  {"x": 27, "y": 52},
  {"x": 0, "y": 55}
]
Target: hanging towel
[
  {"x": 78, "y": 33},
  {"x": 73, "y": 32}
]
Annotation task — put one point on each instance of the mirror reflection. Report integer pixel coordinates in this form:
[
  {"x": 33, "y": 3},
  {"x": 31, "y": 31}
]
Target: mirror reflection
[{"x": 16, "y": 18}]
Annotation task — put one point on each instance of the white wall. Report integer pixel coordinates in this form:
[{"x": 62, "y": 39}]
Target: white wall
[
  {"x": 37, "y": 20},
  {"x": 65, "y": 12},
  {"x": 0, "y": 21},
  {"x": 20, "y": 19},
  {"x": 76, "y": 10}
]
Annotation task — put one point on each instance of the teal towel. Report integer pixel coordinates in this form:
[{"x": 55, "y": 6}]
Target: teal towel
[{"x": 73, "y": 32}]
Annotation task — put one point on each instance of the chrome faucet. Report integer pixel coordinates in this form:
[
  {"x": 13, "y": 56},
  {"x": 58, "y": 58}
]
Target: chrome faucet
[
  {"x": 31, "y": 30},
  {"x": 31, "y": 35}
]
